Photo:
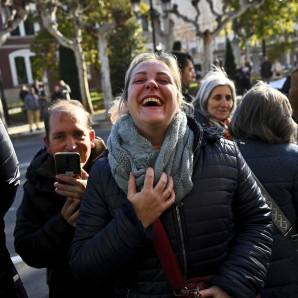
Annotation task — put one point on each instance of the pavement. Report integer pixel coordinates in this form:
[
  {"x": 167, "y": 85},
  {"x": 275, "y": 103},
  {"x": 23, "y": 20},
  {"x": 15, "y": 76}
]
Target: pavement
[{"x": 21, "y": 131}]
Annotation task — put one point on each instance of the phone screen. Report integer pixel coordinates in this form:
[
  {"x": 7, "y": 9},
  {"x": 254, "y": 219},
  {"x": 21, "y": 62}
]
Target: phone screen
[{"x": 68, "y": 163}]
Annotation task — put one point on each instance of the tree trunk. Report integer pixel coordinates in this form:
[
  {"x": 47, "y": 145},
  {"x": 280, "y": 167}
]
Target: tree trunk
[
  {"x": 83, "y": 80},
  {"x": 102, "y": 44},
  {"x": 208, "y": 52}
]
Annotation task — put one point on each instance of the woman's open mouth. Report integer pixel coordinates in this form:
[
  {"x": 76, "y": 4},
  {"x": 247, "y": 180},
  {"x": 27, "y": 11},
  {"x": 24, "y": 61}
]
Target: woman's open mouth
[{"x": 151, "y": 102}]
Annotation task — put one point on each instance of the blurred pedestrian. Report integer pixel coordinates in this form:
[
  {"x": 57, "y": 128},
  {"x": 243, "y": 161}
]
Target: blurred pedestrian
[
  {"x": 9, "y": 182},
  {"x": 32, "y": 106},
  {"x": 38, "y": 87},
  {"x": 293, "y": 93},
  {"x": 242, "y": 80},
  {"x": 46, "y": 218},
  {"x": 216, "y": 100},
  {"x": 187, "y": 72},
  {"x": 44, "y": 104},
  {"x": 163, "y": 169},
  {"x": 57, "y": 94},
  {"x": 266, "y": 72},
  {"x": 276, "y": 70},
  {"x": 65, "y": 89},
  {"x": 23, "y": 92},
  {"x": 263, "y": 124}
]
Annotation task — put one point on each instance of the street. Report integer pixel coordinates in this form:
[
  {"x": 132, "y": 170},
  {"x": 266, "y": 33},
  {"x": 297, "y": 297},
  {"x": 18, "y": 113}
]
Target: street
[{"x": 34, "y": 279}]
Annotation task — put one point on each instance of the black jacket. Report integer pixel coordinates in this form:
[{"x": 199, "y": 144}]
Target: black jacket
[
  {"x": 9, "y": 182},
  {"x": 276, "y": 166},
  {"x": 42, "y": 236},
  {"x": 223, "y": 227}
]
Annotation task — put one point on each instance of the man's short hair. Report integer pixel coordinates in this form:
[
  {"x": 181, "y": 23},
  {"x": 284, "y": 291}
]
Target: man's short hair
[
  {"x": 58, "y": 105},
  {"x": 182, "y": 59}
]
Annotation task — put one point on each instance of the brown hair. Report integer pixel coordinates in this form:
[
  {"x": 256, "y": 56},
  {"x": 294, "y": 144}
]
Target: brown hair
[
  {"x": 64, "y": 106},
  {"x": 264, "y": 114}
]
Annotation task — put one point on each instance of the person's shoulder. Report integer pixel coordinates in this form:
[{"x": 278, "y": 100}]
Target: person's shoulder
[{"x": 40, "y": 157}]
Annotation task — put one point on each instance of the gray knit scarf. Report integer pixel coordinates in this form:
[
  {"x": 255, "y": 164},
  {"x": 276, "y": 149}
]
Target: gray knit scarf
[{"x": 131, "y": 152}]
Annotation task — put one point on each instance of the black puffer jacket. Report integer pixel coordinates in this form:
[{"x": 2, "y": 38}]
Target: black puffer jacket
[
  {"x": 42, "y": 236},
  {"x": 9, "y": 182},
  {"x": 276, "y": 166},
  {"x": 223, "y": 227}
]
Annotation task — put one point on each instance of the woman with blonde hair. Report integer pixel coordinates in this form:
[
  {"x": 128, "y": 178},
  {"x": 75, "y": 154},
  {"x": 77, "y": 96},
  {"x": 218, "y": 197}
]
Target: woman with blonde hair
[{"x": 162, "y": 167}]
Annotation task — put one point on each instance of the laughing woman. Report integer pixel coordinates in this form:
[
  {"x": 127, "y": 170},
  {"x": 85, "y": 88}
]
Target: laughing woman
[{"x": 162, "y": 165}]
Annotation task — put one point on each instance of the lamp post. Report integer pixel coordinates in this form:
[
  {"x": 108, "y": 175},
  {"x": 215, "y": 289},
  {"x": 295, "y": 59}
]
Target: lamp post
[{"x": 135, "y": 4}]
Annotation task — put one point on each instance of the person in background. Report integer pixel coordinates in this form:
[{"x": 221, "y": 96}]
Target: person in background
[
  {"x": 65, "y": 89},
  {"x": 46, "y": 218},
  {"x": 293, "y": 92},
  {"x": 38, "y": 87},
  {"x": 187, "y": 72},
  {"x": 266, "y": 72},
  {"x": 22, "y": 94},
  {"x": 276, "y": 70},
  {"x": 161, "y": 164},
  {"x": 44, "y": 104},
  {"x": 216, "y": 100},
  {"x": 263, "y": 124},
  {"x": 242, "y": 79},
  {"x": 9, "y": 182},
  {"x": 57, "y": 94},
  {"x": 32, "y": 106}
]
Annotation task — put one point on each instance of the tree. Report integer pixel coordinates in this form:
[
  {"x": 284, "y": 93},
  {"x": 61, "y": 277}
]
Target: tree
[
  {"x": 276, "y": 19},
  {"x": 125, "y": 43},
  {"x": 45, "y": 47},
  {"x": 230, "y": 65},
  {"x": 13, "y": 13},
  {"x": 51, "y": 11},
  {"x": 177, "y": 46},
  {"x": 228, "y": 12}
]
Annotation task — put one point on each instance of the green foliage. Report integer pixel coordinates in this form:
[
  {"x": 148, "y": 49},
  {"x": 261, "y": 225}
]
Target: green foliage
[
  {"x": 230, "y": 65},
  {"x": 177, "y": 46},
  {"x": 124, "y": 44},
  {"x": 273, "y": 19},
  {"x": 280, "y": 47},
  {"x": 69, "y": 72},
  {"x": 44, "y": 47}
]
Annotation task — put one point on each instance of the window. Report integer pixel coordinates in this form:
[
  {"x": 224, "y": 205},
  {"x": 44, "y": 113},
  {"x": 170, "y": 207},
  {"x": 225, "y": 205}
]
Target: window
[
  {"x": 20, "y": 66},
  {"x": 21, "y": 70},
  {"x": 29, "y": 25}
]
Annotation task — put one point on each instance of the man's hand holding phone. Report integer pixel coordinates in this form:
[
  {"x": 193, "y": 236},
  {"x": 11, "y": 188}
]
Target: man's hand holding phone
[{"x": 71, "y": 183}]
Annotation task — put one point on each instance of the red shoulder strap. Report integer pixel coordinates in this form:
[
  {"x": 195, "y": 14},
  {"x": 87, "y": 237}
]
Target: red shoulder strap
[{"x": 167, "y": 256}]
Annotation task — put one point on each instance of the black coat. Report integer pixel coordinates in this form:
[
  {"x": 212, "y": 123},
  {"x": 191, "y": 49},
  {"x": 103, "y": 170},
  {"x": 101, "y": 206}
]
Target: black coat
[
  {"x": 9, "y": 182},
  {"x": 42, "y": 236},
  {"x": 223, "y": 227},
  {"x": 276, "y": 166}
]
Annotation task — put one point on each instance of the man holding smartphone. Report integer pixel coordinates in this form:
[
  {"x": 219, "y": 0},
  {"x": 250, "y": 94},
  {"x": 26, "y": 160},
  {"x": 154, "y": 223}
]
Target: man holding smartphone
[{"x": 46, "y": 218}]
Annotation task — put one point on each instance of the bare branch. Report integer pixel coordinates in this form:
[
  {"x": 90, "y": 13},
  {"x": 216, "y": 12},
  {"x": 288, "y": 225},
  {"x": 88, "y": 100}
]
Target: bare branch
[
  {"x": 14, "y": 12},
  {"x": 185, "y": 18}
]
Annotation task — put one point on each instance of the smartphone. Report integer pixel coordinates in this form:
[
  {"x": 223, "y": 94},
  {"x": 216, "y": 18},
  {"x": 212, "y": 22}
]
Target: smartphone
[{"x": 68, "y": 163}]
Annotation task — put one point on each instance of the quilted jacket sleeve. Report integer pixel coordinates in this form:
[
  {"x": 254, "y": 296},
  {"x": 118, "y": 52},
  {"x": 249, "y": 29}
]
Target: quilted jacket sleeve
[
  {"x": 103, "y": 243},
  {"x": 9, "y": 171},
  {"x": 245, "y": 268}
]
